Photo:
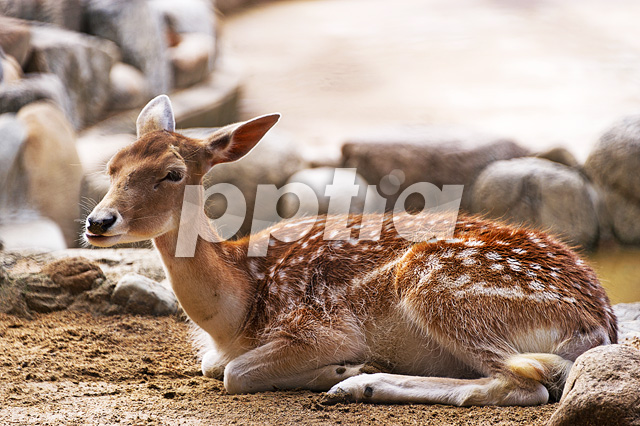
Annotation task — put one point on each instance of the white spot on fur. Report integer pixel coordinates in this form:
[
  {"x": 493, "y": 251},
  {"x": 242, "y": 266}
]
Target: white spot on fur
[
  {"x": 492, "y": 255},
  {"x": 536, "y": 285},
  {"x": 570, "y": 300},
  {"x": 496, "y": 267},
  {"x": 519, "y": 251},
  {"x": 514, "y": 264},
  {"x": 474, "y": 243},
  {"x": 469, "y": 261},
  {"x": 502, "y": 243},
  {"x": 464, "y": 254}
]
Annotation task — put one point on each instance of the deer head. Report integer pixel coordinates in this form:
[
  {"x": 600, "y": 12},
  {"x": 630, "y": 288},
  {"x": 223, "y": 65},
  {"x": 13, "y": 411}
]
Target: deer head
[{"x": 149, "y": 176}]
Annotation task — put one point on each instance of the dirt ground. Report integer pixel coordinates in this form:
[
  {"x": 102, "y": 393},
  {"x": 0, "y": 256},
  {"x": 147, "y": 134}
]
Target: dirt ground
[{"x": 73, "y": 368}]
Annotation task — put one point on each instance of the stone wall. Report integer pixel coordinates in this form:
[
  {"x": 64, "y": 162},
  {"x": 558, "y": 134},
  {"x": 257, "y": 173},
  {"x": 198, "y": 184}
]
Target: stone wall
[{"x": 66, "y": 65}]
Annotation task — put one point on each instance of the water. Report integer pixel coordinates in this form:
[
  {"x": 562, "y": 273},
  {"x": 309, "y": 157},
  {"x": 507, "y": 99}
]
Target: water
[{"x": 619, "y": 273}]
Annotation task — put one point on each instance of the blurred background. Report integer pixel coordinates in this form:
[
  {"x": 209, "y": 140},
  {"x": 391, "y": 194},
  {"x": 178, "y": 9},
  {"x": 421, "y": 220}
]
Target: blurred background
[{"x": 529, "y": 104}]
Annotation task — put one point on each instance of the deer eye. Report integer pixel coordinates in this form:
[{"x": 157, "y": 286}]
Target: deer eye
[{"x": 173, "y": 176}]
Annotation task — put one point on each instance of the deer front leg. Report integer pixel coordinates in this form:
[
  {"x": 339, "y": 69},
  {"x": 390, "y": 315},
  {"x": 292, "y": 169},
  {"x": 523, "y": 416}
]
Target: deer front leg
[
  {"x": 213, "y": 364},
  {"x": 281, "y": 365}
]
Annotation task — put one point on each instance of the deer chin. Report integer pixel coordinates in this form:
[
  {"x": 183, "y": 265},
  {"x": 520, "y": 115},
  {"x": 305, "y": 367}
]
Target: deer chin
[
  {"x": 112, "y": 239},
  {"x": 102, "y": 240}
]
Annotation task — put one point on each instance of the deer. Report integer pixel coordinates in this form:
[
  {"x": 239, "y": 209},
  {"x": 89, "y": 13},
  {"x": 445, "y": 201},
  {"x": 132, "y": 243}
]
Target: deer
[{"x": 495, "y": 315}]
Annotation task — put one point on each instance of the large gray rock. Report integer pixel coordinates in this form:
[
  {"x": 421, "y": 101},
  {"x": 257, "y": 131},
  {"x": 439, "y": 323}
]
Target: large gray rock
[
  {"x": 20, "y": 225},
  {"x": 15, "y": 38},
  {"x": 139, "y": 31},
  {"x": 26, "y": 229},
  {"x": 602, "y": 389},
  {"x": 82, "y": 62},
  {"x": 191, "y": 59},
  {"x": 193, "y": 24},
  {"x": 540, "y": 193},
  {"x": 63, "y": 13},
  {"x": 190, "y": 16},
  {"x": 13, "y": 136},
  {"x": 35, "y": 87},
  {"x": 613, "y": 165},
  {"x": 51, "y": 167},
  {"x": 437, "y": 156},
  {"x": 129, "y": 88},
  {"x": 10, "y": 70},
  {"x": 142, "y": 295}
]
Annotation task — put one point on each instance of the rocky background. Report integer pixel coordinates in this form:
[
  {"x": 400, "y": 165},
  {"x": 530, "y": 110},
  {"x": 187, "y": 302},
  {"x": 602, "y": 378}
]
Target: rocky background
[
  {"x": 73, "y": 77},
  {"x": 75, "y": 74}
]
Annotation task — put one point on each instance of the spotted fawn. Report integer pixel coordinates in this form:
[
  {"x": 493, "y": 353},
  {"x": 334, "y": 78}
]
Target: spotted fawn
[{"x": 495, "y": 315}]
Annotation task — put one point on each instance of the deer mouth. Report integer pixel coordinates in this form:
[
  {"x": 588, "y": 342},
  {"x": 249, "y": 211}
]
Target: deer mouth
[{"x": 102, "y": 240}]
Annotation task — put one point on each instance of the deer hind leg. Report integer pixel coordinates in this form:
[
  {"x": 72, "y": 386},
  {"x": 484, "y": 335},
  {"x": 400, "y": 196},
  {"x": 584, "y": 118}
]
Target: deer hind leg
[
  {"x": 394, "y": 388},
  {"x": 517, "y": 381}
]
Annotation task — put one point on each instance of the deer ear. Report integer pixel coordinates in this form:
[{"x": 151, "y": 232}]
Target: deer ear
[
  {"x": 156, "y": 115},
  {"x": 233, "y": 142}
]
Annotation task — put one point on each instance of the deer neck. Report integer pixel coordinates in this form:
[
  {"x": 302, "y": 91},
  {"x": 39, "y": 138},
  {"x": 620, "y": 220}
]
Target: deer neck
[{"x": 213, "y": 292}]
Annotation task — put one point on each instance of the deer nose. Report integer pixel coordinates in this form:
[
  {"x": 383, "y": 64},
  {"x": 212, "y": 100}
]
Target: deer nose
[{"x": 100, "y": 226}]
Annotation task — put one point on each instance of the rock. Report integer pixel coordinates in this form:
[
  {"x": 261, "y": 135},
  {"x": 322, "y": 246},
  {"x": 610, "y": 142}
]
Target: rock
[
  {"x": 129, "y": 88},
  {"x": 15, "y": 38},
  {"x": 83, "y": 63},
  {"x": 45, "y": 303},
  {"x": 628, "y": 315},
  {"x": 41, "y": 294},
  {"x": 141, "y": 295},
  {"x": 318, "y": 180},
  {"x": 602, "y": 389},
  {"x": 252, "y": 170},
  {"x": 139, "y": 31},
  {"x": 561, "y": 156},
  {"x": 214, "y": 102},
  {"x": 615, "y": 159},
  {"x": 229, "y": 6},
  {"x": 24, "y": 229},
  {"x": 63, "y": 13},
  {"x": 539, "y": 193},
  {"x": 116, "y": 263},
  {"x": 613, "y": 166},
  {"x": 190, "y": 59},
  {"x": 192, "y": 16},
  {"x": 440, "y": 157},
  {"x": 621, "y": 215},
  {"x": 13, "y": 136},
  {"x": 35, "y": 88},
  {"x": 10, "y": 71},
  {"x": 74, "y": 274},
  {"x": 11, "y": 300},
  {"x": 51, "y": 166}
]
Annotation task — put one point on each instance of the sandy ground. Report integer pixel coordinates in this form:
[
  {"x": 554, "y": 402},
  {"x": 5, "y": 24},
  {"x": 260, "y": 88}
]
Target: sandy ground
[
  {"x": 545, "y": 72},
  {"x": 72, "y": 369}
]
